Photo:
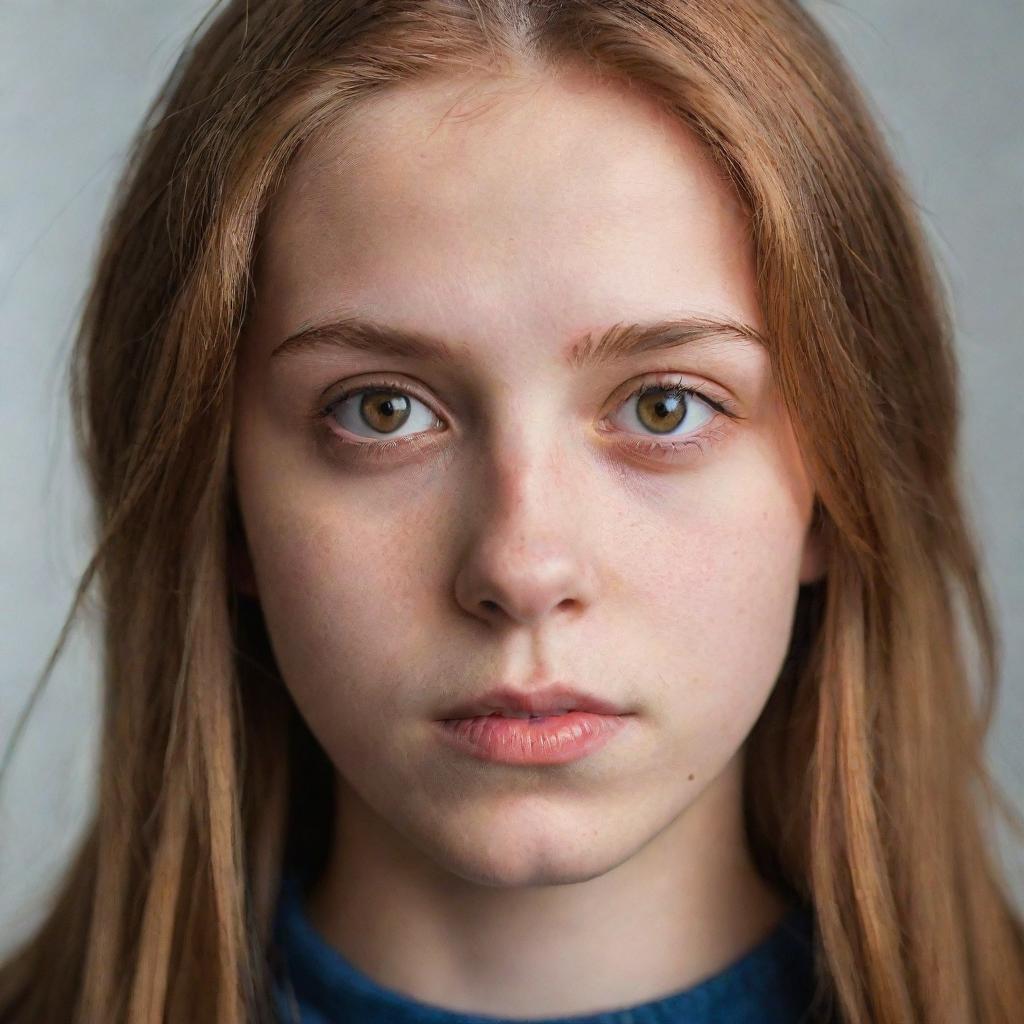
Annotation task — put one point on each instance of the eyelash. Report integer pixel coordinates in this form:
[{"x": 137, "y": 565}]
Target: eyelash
[{"x": 381, "y": 451}]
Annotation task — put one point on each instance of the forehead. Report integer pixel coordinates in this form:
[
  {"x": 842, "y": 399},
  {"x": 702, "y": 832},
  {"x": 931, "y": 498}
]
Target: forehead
[{"x": 547, "y": 204}]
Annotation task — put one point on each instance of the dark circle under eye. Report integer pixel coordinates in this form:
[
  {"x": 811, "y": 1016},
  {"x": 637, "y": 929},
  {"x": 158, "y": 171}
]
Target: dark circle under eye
[
  {"x": 661, "y": 408},
  {"x": 384, "y": 410}
]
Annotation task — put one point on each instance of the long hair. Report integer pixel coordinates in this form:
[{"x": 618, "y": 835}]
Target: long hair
[{"x": 866, "y": 789}]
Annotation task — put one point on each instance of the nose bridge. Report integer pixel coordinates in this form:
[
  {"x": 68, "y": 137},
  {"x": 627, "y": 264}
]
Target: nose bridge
[{"x": 528, "y": 454}]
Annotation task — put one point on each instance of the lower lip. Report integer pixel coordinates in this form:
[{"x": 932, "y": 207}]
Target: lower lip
[{"x": 557, "y": 739}]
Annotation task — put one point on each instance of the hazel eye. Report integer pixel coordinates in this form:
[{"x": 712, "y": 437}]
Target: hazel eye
[
  {"x": 670, "y": 418},
  {"x": 662, "y": 408},
  {"x": 382, "y": 410}
]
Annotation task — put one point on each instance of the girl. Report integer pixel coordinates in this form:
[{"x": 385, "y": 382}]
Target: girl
[{"x": 452, "y": 362}]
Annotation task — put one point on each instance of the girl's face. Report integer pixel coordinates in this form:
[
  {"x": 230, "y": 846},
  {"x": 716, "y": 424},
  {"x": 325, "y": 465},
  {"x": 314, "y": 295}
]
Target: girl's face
[{"x": 516, "y": 528}]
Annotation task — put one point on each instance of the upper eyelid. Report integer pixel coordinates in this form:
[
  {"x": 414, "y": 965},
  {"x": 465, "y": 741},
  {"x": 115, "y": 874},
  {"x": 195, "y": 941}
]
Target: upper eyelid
[{"x": 651, "y": 378}]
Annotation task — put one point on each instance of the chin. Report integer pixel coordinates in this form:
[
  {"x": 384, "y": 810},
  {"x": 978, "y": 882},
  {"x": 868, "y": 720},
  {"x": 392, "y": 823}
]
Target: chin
[{"x": 532, "y": 856}]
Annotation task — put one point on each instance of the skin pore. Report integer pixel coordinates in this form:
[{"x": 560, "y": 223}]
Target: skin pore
[{"x": 518, "y": 537}]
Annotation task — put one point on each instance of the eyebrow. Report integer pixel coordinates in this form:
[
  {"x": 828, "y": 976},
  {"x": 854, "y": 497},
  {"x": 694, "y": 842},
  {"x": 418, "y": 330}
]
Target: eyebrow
[{"x": 618, "y": 342}]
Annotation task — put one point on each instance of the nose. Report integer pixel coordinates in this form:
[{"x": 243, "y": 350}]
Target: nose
[{"x": 527, "y": 555}]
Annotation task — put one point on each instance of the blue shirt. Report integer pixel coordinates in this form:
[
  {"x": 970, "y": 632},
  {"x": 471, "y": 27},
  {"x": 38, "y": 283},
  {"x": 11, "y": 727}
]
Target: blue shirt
[{"x": 770, "y": 984}]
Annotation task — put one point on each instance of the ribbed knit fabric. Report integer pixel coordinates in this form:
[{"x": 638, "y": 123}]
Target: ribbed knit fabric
[{"x": 770, "y": 984}]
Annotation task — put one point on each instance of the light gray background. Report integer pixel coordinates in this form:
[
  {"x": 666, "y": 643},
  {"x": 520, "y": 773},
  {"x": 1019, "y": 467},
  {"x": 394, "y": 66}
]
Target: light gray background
[{"x": 75, "y": 77}]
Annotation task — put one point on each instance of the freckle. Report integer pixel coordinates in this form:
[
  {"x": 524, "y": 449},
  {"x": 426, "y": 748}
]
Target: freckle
[{"x": 690, "y": 776}]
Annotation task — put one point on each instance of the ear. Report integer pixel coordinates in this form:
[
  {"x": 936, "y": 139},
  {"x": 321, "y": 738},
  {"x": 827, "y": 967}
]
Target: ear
[{"x": 813, "y": 562}]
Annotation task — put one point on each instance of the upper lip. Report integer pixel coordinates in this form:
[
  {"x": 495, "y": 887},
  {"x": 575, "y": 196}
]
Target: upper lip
[{"x": 557, "y": 697}]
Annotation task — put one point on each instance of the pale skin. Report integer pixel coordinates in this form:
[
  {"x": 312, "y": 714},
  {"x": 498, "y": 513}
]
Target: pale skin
[{"x": 510, "y": 218}]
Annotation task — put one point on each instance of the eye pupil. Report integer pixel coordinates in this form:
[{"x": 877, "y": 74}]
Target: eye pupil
[
  {"x": 379, "y": 410},
  {"x": 668, "y": 411}
]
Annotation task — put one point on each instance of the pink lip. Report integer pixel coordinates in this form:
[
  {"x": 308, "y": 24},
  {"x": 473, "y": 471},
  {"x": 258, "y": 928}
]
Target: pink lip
[
  {"x": 557, "y": 739},
  {"x": 554, "y": 698}
]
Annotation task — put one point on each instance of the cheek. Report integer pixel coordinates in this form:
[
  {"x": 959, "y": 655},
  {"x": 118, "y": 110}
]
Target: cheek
[
  {"x": 335, "y": 590},
  {"x": 715, "y": 598},
  {"x": 333, "y": 575}
]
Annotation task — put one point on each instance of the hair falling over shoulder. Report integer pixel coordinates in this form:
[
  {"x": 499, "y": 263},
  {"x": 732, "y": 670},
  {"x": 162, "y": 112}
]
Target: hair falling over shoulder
[{"x": 866, "y": 793}]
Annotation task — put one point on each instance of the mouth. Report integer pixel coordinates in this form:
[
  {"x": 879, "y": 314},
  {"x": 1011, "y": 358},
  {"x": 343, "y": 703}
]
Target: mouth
[
  {"x": 526, "y": 739},
  {"x": 554, "y": 701},
  {"x": 522, "y": 714}
]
